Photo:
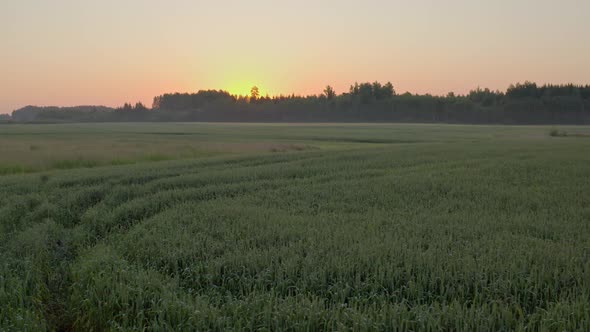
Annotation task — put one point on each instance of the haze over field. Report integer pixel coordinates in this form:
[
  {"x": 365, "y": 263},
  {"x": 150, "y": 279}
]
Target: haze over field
[{"x": 109, "y": 52}]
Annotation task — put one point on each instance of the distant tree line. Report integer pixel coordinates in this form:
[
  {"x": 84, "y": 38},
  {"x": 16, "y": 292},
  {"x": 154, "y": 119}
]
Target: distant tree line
[
  {"x": 522, "y": 103},
  {"x": 60, "y": 114}
]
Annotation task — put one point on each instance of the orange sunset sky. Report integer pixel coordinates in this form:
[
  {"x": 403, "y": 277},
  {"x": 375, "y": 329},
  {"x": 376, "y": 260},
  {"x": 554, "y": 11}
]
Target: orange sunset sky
[{"x": 66, "y": 52}]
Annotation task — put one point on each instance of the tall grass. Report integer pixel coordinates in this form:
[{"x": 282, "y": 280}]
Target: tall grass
[{"x": 456, "y": 236}]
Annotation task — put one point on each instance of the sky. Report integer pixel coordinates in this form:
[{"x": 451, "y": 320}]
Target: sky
[{"x": 78, "y": 52}]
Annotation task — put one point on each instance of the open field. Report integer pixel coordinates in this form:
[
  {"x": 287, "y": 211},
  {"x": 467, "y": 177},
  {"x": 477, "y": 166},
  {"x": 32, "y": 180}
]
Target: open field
[
  {"x": 33, "y": 148},
  {"x": 294, "y": 227}
]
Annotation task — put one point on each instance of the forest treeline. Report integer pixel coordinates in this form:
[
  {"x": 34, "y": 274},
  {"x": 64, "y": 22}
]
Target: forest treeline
[{"x": 522, "y": 103}]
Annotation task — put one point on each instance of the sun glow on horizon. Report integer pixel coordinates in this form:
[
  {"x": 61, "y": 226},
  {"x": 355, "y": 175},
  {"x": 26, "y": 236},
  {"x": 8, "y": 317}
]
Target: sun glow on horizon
[
  {"x": 283, "y": 48},
  {"x": 243, "y": 88}
]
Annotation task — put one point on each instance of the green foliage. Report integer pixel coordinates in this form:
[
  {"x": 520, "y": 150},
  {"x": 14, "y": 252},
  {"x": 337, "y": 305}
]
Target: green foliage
[
  {"x": 13, "y": 169},
  {"x": 463, "y": 228}
]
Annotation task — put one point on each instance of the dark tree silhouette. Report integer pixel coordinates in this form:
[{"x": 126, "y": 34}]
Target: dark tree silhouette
[
  {"x": 329, "y": 93},
  {"x": 522, "y": 103},
  {"x": 254, "y": 93}
]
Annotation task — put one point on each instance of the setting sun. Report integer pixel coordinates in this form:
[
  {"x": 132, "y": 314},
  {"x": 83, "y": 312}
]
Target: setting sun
[
  {"x": 243, "y": 88},
  {"x": 408, "y": 43}
]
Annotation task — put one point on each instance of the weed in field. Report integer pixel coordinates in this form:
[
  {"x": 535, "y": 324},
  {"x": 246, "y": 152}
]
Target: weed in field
[{"x": 557, "y": 133}]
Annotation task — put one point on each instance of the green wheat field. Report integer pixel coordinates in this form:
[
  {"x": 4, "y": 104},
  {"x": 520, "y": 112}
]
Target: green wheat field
[{"x": 185, "y": 227}]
